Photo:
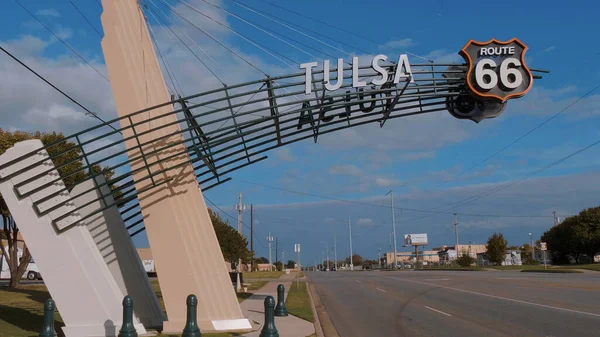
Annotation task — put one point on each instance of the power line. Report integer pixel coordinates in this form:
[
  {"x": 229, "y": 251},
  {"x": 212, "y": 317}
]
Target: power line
[
  {"x": 433, "y": 212},
  {"x": 62, "y": 41},
  {"x": 99, "y": 4},
  {"x": 89, "y": 113},
  {"x": 174, "y": 10},
  {"x": 343, "y": 30},
  {"x": 85, "y": 18}
]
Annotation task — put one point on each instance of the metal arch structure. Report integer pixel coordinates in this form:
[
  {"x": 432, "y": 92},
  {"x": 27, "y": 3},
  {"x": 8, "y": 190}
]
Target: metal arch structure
[{"x": 229, "y": 128}]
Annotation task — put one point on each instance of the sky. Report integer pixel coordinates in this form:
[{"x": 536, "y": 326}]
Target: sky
[{"x": 305, "y": 193}]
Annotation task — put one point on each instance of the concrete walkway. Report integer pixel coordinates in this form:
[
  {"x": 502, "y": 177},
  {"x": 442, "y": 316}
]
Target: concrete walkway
[{"x": 254, "y": 308}]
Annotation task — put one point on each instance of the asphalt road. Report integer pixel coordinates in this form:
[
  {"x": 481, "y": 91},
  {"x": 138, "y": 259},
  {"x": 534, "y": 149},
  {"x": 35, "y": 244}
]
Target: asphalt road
[{"x": 461, "y": 304}]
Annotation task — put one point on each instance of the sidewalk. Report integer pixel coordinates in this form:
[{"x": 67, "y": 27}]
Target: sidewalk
[{"x": 254, "y": 308}]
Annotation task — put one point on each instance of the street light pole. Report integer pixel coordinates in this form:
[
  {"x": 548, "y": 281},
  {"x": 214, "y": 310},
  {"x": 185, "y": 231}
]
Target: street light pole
[
  {"x": 532, "y": 248},
  {"x": 350, "y": 230},
  {"x": 394, "y": 229}
]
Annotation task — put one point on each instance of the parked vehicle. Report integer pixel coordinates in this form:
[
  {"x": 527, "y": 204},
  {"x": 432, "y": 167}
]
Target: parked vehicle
[{"x": 31, "y": 273}]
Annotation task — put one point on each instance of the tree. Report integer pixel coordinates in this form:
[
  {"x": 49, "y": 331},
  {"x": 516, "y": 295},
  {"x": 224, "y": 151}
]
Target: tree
[
  {"x": 262, "y": 259},
  {"x": 66, "y": 157},
  {"x": 357, "y": 260},
  {"x": 496, "y": 248},
  {"x": 290, "y": 264},
  {"x": 233, "y": 245},
  {"x": 575, "y": 237},
  {"x": 465, "y": 260},
  {"x": 278, "y": 265}
]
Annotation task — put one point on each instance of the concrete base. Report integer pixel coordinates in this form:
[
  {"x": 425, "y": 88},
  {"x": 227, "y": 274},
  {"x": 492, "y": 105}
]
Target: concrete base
[
  {"x": 210, "y": 326},
  {"x": 75, "y": 273},
  {"x": 109, "y": 329},
  {"x": 114, "y": 243}
]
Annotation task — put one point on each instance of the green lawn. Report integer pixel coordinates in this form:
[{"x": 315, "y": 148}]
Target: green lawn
[
  {"x": 453, "y": 269},
  {"x": 594, "y": 267},
  {"x": 262, "y": 274},
  {"x": 255, "y": 285},
  {"x": 554, "y": 270},
  {"x": 22, "y": 310},
  {"x": 298, "y": 302},
  {"x": 518, "y": 267}
]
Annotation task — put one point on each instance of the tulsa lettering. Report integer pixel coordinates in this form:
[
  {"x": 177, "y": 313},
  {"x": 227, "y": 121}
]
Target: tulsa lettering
[{"x": 403, "y": 72}]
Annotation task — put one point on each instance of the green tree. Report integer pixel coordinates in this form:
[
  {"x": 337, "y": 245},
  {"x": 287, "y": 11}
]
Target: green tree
[
  {"x": 66, "y": 157},
  {"x": 496, "y": 248},
  {"x": 291, "y": 264},
  {"x": 262, "y": 259},
  {"x": 575, "y": 237},
  {"x": 357, "y": 260},
  {"x": 465, "y": 260},
  {"x": 233, "y": 245},
  {"x": 278, "y": 265}
]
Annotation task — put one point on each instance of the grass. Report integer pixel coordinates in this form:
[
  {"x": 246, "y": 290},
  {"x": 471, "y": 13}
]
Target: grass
[
  {"x": 255, "y": 285},
  {"x": 263, "y": 274},
  {"x": 518, "y": 267},
  {"x": 298, "y": 302},
  {"x": 594, "y": 267},
  {"x": 554, "y": 271},
  {"x": 22, "y": 310}
]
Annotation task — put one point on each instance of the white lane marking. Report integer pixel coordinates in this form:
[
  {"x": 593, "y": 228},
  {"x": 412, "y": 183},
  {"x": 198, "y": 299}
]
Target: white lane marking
[
  {"x": 381, "y": 290},
  {"x": 512, "y": 278},
  {"x": 437, "y": 279},
  {"x": 439, "y": 312},
  {"x": 500, "y": 297},
  {"x": 358, "y": 281}
]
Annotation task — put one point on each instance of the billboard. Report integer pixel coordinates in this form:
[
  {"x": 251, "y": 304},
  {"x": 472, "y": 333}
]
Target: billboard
[{"x": 415, "y": 239}]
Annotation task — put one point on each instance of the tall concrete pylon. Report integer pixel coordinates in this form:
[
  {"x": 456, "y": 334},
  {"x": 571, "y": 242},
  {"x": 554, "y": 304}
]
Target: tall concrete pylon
[{"x": 184, "y": 245}]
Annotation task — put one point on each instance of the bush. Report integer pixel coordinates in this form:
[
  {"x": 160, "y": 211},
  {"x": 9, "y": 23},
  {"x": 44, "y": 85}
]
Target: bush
[
  {"x": 465, "y": 260},
  {"x": 531, "y": 262}
]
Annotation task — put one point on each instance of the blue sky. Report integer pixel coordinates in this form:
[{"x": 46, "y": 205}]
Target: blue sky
[{"x": 414, "y": 156}]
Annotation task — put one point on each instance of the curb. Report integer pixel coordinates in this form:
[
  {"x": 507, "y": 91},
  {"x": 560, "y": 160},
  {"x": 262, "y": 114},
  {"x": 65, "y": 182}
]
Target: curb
[{"x": 323, "y": 325}]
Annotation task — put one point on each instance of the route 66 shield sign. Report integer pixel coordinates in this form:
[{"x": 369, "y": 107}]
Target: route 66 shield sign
[{"x": 497, "y": 69}]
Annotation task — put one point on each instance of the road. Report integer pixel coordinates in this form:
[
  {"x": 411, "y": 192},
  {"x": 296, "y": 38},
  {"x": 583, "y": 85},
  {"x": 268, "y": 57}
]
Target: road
[{"x": 460, "y": 304}]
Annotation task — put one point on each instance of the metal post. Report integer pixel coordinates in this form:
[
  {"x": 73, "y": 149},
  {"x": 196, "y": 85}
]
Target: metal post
[
  {"x": 327, "y": 246},
  {"x": 335, "y": 252},
  {"x": 240, "y": 208},
  {"x": 350, "y": 230},
  {"x": 532, "y": 248},
  {"x": 276, "y": 252},
  {"x": 391, "y": 192},
  {"x": 252, "y": 236},
  {"x": 456, "y": 234},
  {"x": 270, "y": 239},
  {"x": 282, "y": 259}
]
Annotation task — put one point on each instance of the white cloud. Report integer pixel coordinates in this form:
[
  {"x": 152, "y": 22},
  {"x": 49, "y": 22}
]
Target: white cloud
[
  {"x": 48, "y": 12},
  {"x": 403, "y": 43},
  {"x": 350, "y": 170},
  {"x": 385, "y": 182},
  {"x": 365, "y": 222},
  {"x": 444, "y": 56},
  {"x": 285, "y": 154},
  {"x": 549, "y": 49}
]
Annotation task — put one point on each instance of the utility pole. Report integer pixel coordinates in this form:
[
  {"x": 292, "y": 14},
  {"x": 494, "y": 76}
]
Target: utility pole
[
  {"x": 379, "y": 257},
  {"x": 240, "y": 208},
  {"x": 327, "y": 246},
  {"x": 394, "y": 229},
  {"x": 282, "y": 259},
  {"x": 276, "y": 252},
  {"x": 532, "y": 247},
  {"x": 456, "y": 233},
  {"x": 555, "y": 218},
  {"x": 252, "y": 236},
  {"x": 335, "y": 252},
  {"x": 270, "y": 239},
  {"x": 350, "y": 230}
]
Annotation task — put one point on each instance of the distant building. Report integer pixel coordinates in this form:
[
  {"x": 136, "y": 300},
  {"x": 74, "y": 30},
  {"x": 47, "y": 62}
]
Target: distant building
[{"x": 402, "y": 257}]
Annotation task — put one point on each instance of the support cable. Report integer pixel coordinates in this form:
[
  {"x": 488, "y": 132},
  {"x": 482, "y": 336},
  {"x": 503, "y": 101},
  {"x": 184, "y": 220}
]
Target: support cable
[
  {"x": 174, "y": 10},
  {"x": 89, "y": 112},
  {"x": 345, "y": 31},
  {"x": 62, "y": 41},
  {"x": 258, "y": 45},
  {"x": 85, "y": 18},
  {"x": 289, "y": 27}
]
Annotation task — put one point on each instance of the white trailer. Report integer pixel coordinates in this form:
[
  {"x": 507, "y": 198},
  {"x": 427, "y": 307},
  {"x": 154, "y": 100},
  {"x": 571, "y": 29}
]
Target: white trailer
[{"x": 31, "y": 273}]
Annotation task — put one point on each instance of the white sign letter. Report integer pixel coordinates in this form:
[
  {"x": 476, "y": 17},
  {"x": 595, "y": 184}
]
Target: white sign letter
[
  {"x": 355, "y": 82},
  {"x": 340, "y": 75},
  {"x": 308, "y": 75},
  {"x": 379, "y": 69},
  {"x": 403, "y": 63}
]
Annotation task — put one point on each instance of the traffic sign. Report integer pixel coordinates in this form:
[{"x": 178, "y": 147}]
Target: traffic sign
[{"x": 543, "y": 245}]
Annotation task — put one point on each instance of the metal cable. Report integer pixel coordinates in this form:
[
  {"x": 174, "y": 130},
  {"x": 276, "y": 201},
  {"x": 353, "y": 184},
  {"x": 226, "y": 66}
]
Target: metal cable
[
  {"x": 345, "y": 31},
  {"x": 99, "y": 4},
  {"x": 191, "y": 51},
  {"x": 258, "y": 45},
  {"x": 61, "y": 40},
  {"x": 174, "y": 10},
  {"x": 257, "y": 27},
  {"x": 291, "y": 28},
  {"x": 89, "y": 113},
  {"x": 85, "y": 18}
]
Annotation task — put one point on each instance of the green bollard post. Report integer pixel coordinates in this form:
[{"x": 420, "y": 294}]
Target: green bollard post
[
  {"x": 127, "y": 329},
  {"x": 269, "y": 329},
  {"x": 280, "y": 309},
  {"x": 48, "y": 328},
  {"x": 191, "y": 325}
]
